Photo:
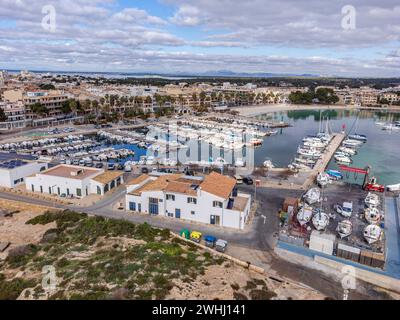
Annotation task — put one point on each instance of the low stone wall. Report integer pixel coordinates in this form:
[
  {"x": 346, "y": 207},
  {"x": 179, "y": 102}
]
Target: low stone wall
[
  {"x": 239, "y": 262},
  {"x": 364, "y": 275}
]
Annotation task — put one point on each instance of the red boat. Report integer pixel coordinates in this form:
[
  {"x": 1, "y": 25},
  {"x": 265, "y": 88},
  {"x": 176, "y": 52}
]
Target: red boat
[{"x": 372, "y": 185}]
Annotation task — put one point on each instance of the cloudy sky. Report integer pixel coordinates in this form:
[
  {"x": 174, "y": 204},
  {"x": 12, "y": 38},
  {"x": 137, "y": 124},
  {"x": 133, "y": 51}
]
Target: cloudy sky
[{"x": 166, "y": 36}]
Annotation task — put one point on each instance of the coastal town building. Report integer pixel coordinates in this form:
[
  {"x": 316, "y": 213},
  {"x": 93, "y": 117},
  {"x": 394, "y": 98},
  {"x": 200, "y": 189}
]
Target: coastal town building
[
  {"x": 14, "y": 172},
  {"x": 210, "y": 200},
  {"x": 15, "y": 113},
  {"x": 52, "y": 100},
  {"x": 74, "y": 181}
]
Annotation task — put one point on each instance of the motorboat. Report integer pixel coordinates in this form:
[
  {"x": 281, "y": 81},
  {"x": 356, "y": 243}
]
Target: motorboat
[
  {"x": 372, "y": 200},
  {"x": 359, "y": 137},
  {"x": 343, "y": 159},
  {"x": 268, "y": 164},
  {"x": 373, "y": 215},
  {"x": 344, "y": 228},
  {"x": 349, "y": 151},
  {"x": 390, "y": 127},
  {"x": 312, "y": 196},
  {"x": 373, "y": 233},
  {"x": 311, "y": 153},
  {"x": 314, "y": 144},
  {"x": 346, "y": 210},
  {"x": 304, "y": 215},
  {"x": 320, "y": 220},
  {"x": 305, "y": 161},
  {"x": 352, "y": 143},
  {"x": 335, "y": 174},
  {"x": 323, "y": 179},
  {"x": 393, "y": 187}
]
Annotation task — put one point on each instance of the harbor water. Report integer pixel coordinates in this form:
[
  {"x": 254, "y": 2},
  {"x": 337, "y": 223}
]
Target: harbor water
[{"x": 381, "y": 151}]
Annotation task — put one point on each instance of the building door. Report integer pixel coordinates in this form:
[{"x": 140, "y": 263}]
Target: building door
[
  {"x": 212, "y": 219},
  {"x": 139, "y": 207},
  {"x": 153, "y": 205},
  {"x": 98, "y": 190},
  {"x": 58, "y": 191},
  {"x": 178, "y": 213},
  {"x": 217, "y": 220}
]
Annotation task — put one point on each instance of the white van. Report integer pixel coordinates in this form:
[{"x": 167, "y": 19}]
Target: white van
[{"x": 239, "y": 179}]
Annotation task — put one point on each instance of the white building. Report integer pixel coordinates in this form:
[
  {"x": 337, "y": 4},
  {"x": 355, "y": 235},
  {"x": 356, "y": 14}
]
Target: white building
[
  {"x": 74, "y": 181},
  {"x": 212, "y": 200},
  {"x": 14, "y": 172}
]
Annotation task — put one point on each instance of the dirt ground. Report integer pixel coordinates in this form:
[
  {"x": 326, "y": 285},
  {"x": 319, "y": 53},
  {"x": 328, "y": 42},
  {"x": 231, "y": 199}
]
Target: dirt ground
[
  {"x": 14, "y": 230},
  {"x": 223, "y": 281}
]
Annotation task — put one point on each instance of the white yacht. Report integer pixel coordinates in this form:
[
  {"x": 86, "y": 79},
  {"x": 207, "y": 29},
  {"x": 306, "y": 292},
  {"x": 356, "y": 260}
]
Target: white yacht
[
  {"x": 344, "y": 228},
  {"x": 304, "y": 215},
  {"x": 312, "y": 196},
  {"x": 372, "y": 233},
  {"x": 372, "y": 200},
  {"x": 373, "y": 215},
  {"x": 323, "y": 179},
  {"x": 343, "y": 159},
  {"x": 320, "y": 220}
]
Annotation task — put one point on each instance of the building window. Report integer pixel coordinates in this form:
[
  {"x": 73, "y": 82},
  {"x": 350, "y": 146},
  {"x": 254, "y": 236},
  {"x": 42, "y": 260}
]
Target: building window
[
  {"x": 191, "y": 200},
  {"x": 192, "y": 213},
  {"x": 132, "y": 206},
  {"x": 217, "y": 204},
  {"x": 79, "y": 192},
  {"x": 170, "y": 197}
]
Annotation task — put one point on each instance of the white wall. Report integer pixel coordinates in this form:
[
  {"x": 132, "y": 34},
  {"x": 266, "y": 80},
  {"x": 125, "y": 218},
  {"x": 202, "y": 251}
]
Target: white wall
[
  {"x": 8, "y": 176},
  {"x": 203, "y": 210},
  {"x": 54, "y": 182}
]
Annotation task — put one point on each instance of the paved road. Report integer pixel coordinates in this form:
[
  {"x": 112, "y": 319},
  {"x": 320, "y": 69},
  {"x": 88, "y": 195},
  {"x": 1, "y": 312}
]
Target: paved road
[{"x": 254, "y": 244}]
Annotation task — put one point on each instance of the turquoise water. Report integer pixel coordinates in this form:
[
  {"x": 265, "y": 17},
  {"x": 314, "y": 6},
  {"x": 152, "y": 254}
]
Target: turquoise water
[{"x": 381, "y": 152}]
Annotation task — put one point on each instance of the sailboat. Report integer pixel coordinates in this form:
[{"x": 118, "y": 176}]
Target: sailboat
[
  {"x": 356, "y": 136},
  {"x": 320, "y": 220},
  {"x": 372, "y": 233},
  {"x": 344, "y": 228}
]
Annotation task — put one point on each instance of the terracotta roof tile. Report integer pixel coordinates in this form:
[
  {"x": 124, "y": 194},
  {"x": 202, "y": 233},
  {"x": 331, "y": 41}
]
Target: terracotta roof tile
[{"x": 218, "y": 185}]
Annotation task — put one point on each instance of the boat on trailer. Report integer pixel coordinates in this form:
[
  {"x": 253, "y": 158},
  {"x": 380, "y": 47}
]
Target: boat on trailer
[
  {"x": 373, "y": 215},
  {"x": 304, "y": 215},
  {"x": 372, "y": 200},
  {"x": 320, "y": 220},
  {"x": 312, "y": 196},
  {"x": 372, "y": 233},
  {"x": 344, "y": 228}
]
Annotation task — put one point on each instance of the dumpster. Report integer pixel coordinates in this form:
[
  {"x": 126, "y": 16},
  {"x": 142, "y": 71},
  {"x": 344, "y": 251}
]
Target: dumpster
[
  {"x": 221, "y": 245},
  {"x": 210, "y": 241},
  {"x": 195, "y": 236},
  {"x": 185, "y": 233}
]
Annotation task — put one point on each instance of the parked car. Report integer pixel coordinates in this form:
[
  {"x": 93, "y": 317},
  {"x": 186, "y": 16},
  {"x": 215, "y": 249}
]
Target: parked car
[
  {"x": 120, "y": 166},
  {"x": 210, "y": 241},
  {"x": 99, "y": 165},
  {"x": 195, "y": 236},
  {"x": 111, "y": 166},
  {"x": 239, "y": 179},
  {"x": 145, "y": 170},
  {"x": 248, "y": 180},
  {"x": 221, "y": 245}
]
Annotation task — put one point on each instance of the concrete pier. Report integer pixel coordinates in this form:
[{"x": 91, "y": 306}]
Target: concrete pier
[{"x": 322, "y": 163}]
